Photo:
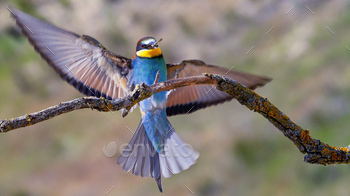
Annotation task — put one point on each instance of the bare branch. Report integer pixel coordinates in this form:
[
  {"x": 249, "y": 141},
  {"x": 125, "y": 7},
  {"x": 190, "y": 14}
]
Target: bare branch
[{"x": 316, "y": 151}]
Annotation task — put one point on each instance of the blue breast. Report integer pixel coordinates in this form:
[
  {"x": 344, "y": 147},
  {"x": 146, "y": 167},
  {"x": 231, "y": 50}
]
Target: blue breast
[{"x": 145, "y": 70}]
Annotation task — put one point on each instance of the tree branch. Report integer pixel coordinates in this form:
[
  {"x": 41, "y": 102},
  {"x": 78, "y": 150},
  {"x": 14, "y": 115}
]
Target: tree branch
[
  {"x": 101, "y": 104},
  {"x": 316, "y": 151}
]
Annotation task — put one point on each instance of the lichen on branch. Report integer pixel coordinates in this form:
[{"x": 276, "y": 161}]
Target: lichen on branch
[{"x": 316, "y": 151}]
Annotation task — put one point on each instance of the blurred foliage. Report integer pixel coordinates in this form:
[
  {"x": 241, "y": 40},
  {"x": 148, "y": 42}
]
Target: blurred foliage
[{"x": 241, "y": 153}]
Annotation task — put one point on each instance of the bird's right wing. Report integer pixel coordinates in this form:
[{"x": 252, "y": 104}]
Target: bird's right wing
[{"x": 80, "y": 60}]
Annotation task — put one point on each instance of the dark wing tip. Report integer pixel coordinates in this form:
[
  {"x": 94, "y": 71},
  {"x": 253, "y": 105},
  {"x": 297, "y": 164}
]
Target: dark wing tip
[
  {"x": 193, "y": 106},
  {"x": 184, "y": 108},
  {"x": 18, "y": 14},
  {"x": 12, "y": 10}
]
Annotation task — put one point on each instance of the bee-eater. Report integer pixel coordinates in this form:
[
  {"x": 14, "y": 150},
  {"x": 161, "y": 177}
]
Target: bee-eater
[{"x": 155, "y": 149}]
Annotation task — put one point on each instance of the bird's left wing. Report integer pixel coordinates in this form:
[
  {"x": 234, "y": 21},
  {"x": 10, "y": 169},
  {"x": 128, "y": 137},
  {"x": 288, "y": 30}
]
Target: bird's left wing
[
  {"x": 80, "y": 60},
  {"x": 188, "y": 99}
]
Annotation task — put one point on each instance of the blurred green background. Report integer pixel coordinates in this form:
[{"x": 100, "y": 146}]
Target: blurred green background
[{"x": 241, "y": 152}]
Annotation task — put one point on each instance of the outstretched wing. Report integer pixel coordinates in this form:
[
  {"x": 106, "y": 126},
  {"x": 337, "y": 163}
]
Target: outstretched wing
[
  {"x": 80, "y": 60},
  {"x": 188, "y": 99}
]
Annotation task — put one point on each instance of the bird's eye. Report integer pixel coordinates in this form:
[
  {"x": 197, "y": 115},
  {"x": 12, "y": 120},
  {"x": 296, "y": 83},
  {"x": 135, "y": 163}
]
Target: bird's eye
[{"x": 143, "y": 45}]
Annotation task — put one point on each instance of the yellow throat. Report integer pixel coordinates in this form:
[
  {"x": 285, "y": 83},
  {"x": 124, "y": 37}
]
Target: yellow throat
[{"x": 149, "y": 53}]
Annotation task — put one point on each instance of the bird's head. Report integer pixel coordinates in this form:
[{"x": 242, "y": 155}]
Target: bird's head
[{"x": 147, "y": 47}]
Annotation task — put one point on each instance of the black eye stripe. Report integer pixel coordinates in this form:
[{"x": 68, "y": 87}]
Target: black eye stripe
[{"x": 146, "y": 45}]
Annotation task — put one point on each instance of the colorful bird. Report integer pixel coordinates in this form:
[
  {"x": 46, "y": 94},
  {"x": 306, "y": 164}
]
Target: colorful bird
[{"x": 155, "y": 149}]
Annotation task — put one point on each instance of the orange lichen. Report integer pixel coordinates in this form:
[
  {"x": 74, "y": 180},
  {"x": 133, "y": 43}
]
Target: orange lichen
[
  {"x": 334, "y": 155},
  {"x": 325, "y": 151},
  {"x": 109, "y": 105},
  {"x": 304, "y": 135},
  {"x": 344, "y": 149}
]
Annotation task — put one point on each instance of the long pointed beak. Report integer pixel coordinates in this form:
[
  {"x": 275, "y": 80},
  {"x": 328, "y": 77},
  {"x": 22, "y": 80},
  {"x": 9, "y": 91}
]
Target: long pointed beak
[{"x": 155, "y": 45}]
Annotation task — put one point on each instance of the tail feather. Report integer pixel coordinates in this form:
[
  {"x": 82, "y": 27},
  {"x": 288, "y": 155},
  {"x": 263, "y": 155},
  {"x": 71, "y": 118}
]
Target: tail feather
[
  {"x": 142, "y": 158},
  {"x": 139, "y": 165},
  {"x": 137, "y": 155},
  {"x": 177, "y": 155},
  {"x": 186, "y": 155}
]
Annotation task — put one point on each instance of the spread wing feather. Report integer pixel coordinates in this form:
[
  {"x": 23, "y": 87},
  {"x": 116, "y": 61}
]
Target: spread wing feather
[
  {"x": 80, "y": 60},
  {"x": 192, "y": 98}
]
